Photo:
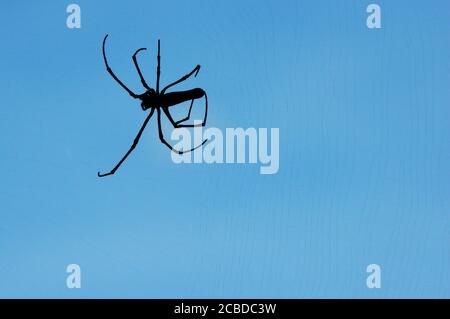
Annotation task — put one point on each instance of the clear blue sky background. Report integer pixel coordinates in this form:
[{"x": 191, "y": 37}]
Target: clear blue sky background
[{"x": 364, "y": 151}]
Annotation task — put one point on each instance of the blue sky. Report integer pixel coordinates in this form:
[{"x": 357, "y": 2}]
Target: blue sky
[{"x": 364, "y": 153}]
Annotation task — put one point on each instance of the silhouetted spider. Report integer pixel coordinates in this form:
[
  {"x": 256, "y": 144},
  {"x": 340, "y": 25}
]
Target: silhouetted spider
[{"x": 155, "y": 100}]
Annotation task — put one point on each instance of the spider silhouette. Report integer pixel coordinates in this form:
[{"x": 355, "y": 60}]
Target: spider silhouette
[{"x": 160, "y": 101}]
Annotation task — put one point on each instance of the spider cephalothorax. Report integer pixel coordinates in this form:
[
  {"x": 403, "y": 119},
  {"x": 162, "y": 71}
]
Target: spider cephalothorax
[{"x": 149, "y": 99}]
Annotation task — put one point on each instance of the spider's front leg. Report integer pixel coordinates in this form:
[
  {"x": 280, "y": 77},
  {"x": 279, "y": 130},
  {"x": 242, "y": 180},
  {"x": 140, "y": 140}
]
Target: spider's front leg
[
  {"x": 135, "y": 142},
  {"x": 144, "y": 83},
  {"x": 110, "y": 71}
]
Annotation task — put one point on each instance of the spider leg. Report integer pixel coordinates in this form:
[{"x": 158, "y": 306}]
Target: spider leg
[
  {"x": 135, "y": 142},
  {"x": 162, "y": 139},
  {"x": 183, "y": 78},
  {"x": 138, "y": 69},
  {"x": 178, "y": 124},
  {"x": 187, "y": 117},
  {"x": 134, "y": 95}
]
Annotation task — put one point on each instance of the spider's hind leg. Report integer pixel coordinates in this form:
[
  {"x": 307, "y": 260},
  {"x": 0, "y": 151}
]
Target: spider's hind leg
[
  {"x": 186, "y": 118},
  {"x": 163, "y": 140}
]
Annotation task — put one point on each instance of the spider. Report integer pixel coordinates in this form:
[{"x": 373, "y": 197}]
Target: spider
[{"x": 160, "y": 101}]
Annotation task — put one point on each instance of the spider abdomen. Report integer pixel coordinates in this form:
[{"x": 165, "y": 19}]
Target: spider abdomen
[{"x": 173, "y": 98}]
